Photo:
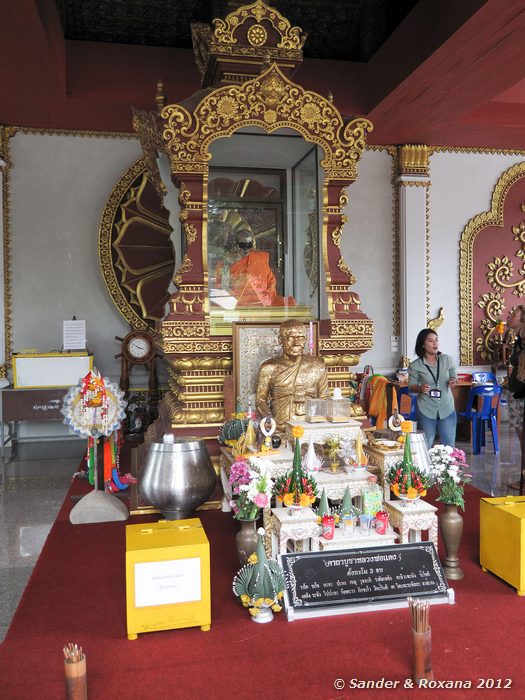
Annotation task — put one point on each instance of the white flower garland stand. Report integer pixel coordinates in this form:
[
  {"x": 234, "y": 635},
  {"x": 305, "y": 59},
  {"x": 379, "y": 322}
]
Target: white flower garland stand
[{"x": 411, "y": 519}]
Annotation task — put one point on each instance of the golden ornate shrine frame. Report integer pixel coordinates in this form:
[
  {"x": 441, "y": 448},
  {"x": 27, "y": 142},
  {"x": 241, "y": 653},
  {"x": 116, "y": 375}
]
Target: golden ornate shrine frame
[
  {"x": 262, "y": 96},
  {"x": 494, "y": 217}
]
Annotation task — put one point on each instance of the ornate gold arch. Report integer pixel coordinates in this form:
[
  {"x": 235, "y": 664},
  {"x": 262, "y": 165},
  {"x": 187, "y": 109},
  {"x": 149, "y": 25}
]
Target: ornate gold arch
[
  {"x": 271, "y": 101},
  {"x": 127, "y": 283},
  {"x": 494, "y": 217}
]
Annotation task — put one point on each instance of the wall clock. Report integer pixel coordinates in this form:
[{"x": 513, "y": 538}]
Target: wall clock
[{"x": 138, "y": 348}]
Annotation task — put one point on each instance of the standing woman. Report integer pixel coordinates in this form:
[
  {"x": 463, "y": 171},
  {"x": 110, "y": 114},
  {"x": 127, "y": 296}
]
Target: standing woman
[{"x": 432, "y": 376}]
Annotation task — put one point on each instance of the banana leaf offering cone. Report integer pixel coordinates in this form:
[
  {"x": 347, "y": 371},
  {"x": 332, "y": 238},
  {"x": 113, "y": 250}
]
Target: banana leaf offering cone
[
  {"x": 260, "y": 584},
  {"x": 323, "y": 508},
  {"x": 408, "y": 463},
  {"x": 296, "y": 482}
]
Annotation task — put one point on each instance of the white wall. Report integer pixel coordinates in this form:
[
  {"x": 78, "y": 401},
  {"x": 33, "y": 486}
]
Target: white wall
[
  {"x": 58, "y": 188},
  {"x": 367, "y": 245}
]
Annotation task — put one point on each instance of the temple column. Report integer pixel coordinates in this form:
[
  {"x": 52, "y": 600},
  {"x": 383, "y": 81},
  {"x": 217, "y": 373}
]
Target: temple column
[{"x": 413, "y": 188}]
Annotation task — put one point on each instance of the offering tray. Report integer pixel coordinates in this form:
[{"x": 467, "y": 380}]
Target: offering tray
[{"x": 385, "y": 445}]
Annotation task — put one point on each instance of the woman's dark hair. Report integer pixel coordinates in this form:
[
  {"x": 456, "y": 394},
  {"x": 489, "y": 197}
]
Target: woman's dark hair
[{"x": 420, "y": 341}]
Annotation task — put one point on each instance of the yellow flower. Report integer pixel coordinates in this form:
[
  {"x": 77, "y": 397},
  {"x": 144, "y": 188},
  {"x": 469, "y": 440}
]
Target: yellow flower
[
  {"x": 412, "y": 492},
  {"x": 245, "y": 600},
  {"x": 423, "y": 493},
  {"x": 276, "y": 608},
  {"x": 268, "y": 601},
  {"x": 252, "y": 559},
  {"x": 304, "y": 499},
  {"x": 288, "y": 499},
  {"x": 280, "y": 595},
  {"x": 258, "y": 602},
  {"x": 297, "y": 431},
  {"x": 254, "y": 611},
  {"x": 395, "y": 489},
  {"x": 406, "y": 426}
]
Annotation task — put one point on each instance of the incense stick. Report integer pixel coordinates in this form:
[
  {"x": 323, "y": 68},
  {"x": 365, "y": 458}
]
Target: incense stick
[
  {"x": 73, "y": 653},
  {"x": 420, "y": 614}
]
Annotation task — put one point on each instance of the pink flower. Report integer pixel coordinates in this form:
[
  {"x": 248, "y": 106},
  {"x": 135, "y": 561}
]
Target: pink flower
[{"x": 261, "y": 500}]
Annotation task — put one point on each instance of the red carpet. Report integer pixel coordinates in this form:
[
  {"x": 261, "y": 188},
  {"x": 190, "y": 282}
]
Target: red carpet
[{"x": 77, "y": 594}]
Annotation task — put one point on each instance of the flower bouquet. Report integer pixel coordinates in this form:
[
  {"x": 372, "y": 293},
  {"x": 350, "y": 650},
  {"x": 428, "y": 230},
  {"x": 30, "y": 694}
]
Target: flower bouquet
[
  {"x": 406, "y": 479},
  {"x": 251, "y": 487},
  {"x": 449, "y": 469},
  {"x": 296, "y": 488}
]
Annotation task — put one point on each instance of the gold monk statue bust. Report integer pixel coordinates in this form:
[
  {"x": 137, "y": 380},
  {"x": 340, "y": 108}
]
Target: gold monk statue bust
[{"x": 286, "y": 381}]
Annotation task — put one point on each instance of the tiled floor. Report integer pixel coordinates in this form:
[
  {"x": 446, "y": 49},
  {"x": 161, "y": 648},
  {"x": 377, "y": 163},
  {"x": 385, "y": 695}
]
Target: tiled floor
[
  {"x": 39, "y": 479},
  {"x": 36, "y": 484}
]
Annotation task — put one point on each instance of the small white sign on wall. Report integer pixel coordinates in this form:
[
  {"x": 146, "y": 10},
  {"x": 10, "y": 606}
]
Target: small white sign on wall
[
  {"x": 73, "y": 335},
  {"x": 167, "y": 582}
]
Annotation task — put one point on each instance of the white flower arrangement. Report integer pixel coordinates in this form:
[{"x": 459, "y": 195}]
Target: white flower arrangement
[{"x": 449, "y": 470}]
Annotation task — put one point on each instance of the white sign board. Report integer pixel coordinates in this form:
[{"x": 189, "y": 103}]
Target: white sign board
[
  {"x": 167, "y": 582},
  {"x": 74, "y": 335}
]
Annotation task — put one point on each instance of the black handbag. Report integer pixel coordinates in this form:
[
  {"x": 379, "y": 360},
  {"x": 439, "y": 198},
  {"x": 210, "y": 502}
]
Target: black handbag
[{"x": 515, "y": 385}]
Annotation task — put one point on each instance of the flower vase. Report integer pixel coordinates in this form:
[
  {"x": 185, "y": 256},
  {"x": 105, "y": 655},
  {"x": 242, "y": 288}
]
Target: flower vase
[
  {"x": 451, "y": 526},
  {"x": 246, "y": 539}
]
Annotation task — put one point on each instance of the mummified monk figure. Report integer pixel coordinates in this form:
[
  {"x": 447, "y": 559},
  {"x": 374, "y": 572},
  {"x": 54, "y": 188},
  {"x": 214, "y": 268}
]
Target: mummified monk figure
[{"x": 286, "y": 381}]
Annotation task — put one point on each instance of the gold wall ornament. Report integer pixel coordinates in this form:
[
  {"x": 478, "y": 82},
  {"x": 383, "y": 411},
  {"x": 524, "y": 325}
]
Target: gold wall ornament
[
  {"x": 362, "y": 327},
  {"x": 186, "y": 266},
  {"x": 6, "y": 133},
  {"x": 494, "y": 305},
  {"x": 336, "y": 236},
  {"x": 185, "y": 329},
  {"x": 188, "y": 300},
  {"x": 136, "y": 282},
  {"x": 191, "y": 233},
  {"x": 346, "y": 270},
  {"x": 340, "y": 360},
  {"x": 191, "y": 364},
  {"x": 413, "y": 159},
  {"x": 405, "y": 361},
  {"x": 498, "y": 269},
  {"x": 435, "y": 323}
]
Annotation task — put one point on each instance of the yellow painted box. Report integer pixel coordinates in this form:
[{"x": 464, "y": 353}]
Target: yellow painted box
[
  {"x": 167, "y": 576},
  {"x": 502, "y": 539}
]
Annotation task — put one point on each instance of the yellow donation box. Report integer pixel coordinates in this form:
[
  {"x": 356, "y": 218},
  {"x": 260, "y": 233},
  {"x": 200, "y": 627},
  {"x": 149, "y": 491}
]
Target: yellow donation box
[
  {"x": 167, "y": 576},
  {"x": 502, "y": 539}
]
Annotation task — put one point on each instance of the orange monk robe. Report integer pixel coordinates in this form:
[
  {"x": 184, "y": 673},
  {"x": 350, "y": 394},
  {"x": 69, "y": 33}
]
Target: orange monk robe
[
  {"x": 378, "y": 401},
  {"x": 252, "y": 281}
]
